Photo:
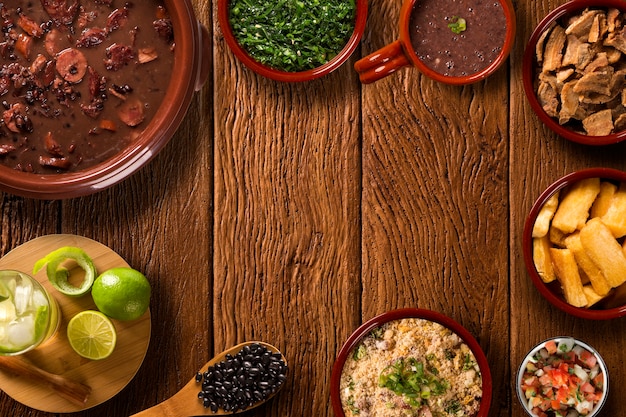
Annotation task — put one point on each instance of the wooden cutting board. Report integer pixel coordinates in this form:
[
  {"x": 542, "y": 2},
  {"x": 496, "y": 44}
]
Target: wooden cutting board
[{"x": 106, "y": 377}]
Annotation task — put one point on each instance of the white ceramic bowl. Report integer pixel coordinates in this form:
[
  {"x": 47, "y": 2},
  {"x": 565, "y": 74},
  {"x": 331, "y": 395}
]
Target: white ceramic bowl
[{"x": 561, "y": 341}]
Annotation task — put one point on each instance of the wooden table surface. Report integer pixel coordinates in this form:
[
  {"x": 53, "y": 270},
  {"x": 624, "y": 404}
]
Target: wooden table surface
[{"x": 291, "y": 213}]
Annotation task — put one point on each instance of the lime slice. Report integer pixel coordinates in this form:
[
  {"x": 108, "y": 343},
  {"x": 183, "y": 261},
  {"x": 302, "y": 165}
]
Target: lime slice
[
  {"x": 59, "y": 275},
  {"x": 42, "y": 320},
  {"x": 4, "y": 292},
  {"x": 92, "y": 335}
]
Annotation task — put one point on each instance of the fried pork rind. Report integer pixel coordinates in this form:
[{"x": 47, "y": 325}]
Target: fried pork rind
[
  {"x": 573, "y": 210},
  {"x": 582, "y": 72}
]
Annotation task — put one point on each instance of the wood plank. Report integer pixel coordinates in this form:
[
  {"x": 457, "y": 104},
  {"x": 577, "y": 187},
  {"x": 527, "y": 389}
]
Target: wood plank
[
  {"x": 287, "y": 178},
  {"x": 435, "y": 207},
  {"x": 533, "y": 319}
]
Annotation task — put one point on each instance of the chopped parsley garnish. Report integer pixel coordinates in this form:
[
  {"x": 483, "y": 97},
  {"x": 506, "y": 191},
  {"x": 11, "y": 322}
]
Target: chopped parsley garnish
[
  {"x": 292, "y": 35},
  {"x": 457, "y": 25}
]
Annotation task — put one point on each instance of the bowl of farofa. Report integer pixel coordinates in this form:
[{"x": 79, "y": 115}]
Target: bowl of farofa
[
  {"x": 293, "y": 41},
  {"x": 91, "y": 92},
  {"x": 411, "y": 359},
  {"x": 574, "y": 245},
  {"x": 574, "y": 71},
  {"x": 561, "y": 362}
]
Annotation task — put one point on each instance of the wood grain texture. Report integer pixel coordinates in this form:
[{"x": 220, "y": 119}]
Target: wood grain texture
[
  {"x": 291, "y": 213},
  {"x": 434, "y": 158}
]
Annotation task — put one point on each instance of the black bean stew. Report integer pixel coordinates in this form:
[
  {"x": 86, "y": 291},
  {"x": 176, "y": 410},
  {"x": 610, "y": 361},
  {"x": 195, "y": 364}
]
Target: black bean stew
[{"x": 79, "y": 79}]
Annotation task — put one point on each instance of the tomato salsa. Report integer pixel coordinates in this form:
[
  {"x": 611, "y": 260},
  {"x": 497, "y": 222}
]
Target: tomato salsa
[{"x": 562, "y": 379}]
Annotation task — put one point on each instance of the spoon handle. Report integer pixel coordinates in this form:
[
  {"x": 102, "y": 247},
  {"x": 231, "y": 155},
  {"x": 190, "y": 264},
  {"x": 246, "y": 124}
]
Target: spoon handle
[{"x": 76, "y": 392}]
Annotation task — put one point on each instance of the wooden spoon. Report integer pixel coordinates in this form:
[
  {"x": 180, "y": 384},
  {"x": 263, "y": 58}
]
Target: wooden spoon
[
  {"x": 73, "y": 391},
  {"x": 185, "y": 402}
]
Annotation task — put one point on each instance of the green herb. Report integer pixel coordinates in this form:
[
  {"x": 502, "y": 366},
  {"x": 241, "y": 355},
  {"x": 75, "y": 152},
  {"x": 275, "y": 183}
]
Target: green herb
[
  {"x": 377, "y": 333},
  {"x": 457, "y": 25},
  {"x": 468, "y": 362},
  {"x": 453, "y": 407},
  {"x": 409, "y": 378},
  {"x": 353, "y": 408},
  {"x": 449, "y": 354},
  {"x": 292, "y": 35},
  {"x": 359, "y": 352}
]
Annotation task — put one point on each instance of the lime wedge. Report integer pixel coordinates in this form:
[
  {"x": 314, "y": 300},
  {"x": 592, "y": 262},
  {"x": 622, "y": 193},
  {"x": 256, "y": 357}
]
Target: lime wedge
[
  {"x": 92, "y": 335},
  {"x": 5, "y": 294},
  {"x": 41, "y": 322}
]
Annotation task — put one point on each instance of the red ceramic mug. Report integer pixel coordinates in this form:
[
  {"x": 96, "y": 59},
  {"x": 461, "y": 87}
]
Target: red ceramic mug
[{"x": 402, "y": 53}]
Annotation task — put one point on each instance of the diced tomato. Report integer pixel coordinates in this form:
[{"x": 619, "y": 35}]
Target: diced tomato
[
  {"x": 546, "y": 380},
  {"x": 598, "y": 381},
  {"x": 532, "y": 381},
  {"x": 551, "y": 347},
  {"x": 588, "y": 359},
  {"x": 569, "y": 356},
  {"x": 555, "y": 404},
  {"x": 539, "y": 413},
  {"x": 559, "y": 377},
  {"x": 544, "y": 405},
  {"x": 562, "y": 394},
  {"x": 586, "y": 387}
]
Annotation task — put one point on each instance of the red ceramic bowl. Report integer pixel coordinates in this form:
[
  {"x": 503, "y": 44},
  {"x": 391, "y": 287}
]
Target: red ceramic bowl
[
  {"x": 278, "y": 75},
  {"x": 509, "y": 39},
  {"x": 552, "y": 292},
  {"x": 392, "y": 315},
  {"x": 529, "y": 65},
  {"x": 192, "y": 63},
  {"x": 401, "y": 53}
]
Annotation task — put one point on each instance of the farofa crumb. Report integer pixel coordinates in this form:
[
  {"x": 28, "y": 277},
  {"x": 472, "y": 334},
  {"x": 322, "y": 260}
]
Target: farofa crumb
[{"x": 447, "y": 358}]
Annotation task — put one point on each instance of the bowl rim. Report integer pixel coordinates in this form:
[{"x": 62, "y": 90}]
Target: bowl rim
[
  {"x": 420, "y": 313},
  {"x": 361, "y": 8},
  {"x": 540, "y": 345},
  {"x": 527, "y": 242},
  {"x": 509, "y": 40},
  {"x": 528, "y": 69},
  {"x": 156, "y": 134}
]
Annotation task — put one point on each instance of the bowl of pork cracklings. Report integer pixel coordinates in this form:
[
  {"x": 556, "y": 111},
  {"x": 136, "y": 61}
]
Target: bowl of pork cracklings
[{"x": 574, "y": 71}]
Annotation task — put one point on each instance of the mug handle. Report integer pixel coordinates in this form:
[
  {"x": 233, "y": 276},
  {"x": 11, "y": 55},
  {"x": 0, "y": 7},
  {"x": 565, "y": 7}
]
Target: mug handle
[{"x": 381, "y": 63}]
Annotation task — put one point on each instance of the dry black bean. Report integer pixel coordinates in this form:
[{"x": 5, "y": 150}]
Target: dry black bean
[{"x": 241, "y": 380}]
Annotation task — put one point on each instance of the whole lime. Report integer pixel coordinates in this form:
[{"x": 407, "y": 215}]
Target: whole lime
[{"x": 121, "y": 293}]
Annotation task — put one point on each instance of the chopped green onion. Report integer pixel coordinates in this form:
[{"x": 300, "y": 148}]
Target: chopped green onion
[
  {"x": 457, "y": 25},
  {"x": 409, "y": 378}
]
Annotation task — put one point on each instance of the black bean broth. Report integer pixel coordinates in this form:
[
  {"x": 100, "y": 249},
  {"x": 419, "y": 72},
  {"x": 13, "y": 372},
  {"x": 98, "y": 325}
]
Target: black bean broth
[
  {"x": 465, "y": 53},
  {"x": 79, "y": 79}
]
